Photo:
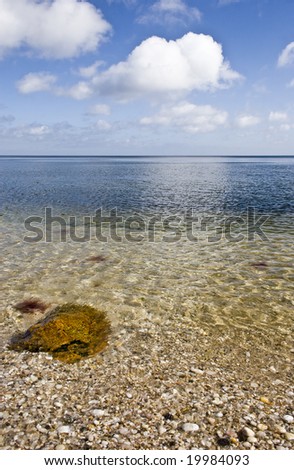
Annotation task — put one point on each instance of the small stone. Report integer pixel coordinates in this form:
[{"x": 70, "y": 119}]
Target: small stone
[
  {"x": 279, "y": 429},
  {"x": 41, "y": 429},
  {"x": 289, "y": 436},
  {"x": 273, "y": 370},
  {"x": 124, "y": 431},
  {"x": 219, "y": 414},
  {"x": 247, "y": 445},
  {"x": 262, "y": 427},
  {"x": 265, "y": 400},
  {"x": 64, "y": 430},
  {"x": 60, "y": 447},
  {"x": 217, "y": 401},
  {"x": 161, "y": 429},
  {"x": 190, "y": 427},
  {"x": 194, "y": 370},
  {"x": 168, "y": 416},
  {"x": 288, "y": 419},
  {"x": 33, "y": 378},
  {"x": 98, "y": 413},
  {"x": 211, "y": 420},
  {"x": 244, "y": 433},
  {"x": 223, "y": 441},
  {"x": 261, "y": 434},
  {"x": 129, "y": 395},
  {"x": 252, "y": 440}
]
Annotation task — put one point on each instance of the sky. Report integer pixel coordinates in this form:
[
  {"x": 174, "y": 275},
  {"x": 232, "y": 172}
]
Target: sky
[{"x": 146, "y": 77}]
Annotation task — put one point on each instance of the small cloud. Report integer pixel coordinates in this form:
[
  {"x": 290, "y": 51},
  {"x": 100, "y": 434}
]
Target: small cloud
[
  {"x": 55, "y": 29},
  {"x": 287, "y": 55},
  {"x": 291, "y": 84},
  {"x": 103, "y": 125},
  {"x": 80, "y": 91},
  {"x": 38, "y": 130},
  {"x": 91, "y": 70},
  {"x": 35, "y": 82},
  {"x": 248, "y": 120},
  {"x": 286, "y": 127},
  {"x": 100, "y": 109},
  {"x": 35, "y": 131},
  {"x": 43, "y": 81},
  {"x": 170, "y": 11},
  {"x": 188, "y": 117},
  {"x": 276, "y": 116}
]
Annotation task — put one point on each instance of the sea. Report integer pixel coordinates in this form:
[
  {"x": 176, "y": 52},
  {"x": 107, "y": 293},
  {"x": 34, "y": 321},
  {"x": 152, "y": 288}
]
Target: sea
[{"x": 153, "y": 238}]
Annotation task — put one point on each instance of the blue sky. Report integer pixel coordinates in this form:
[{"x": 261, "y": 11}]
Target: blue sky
[{"x": 134, "y": 77}]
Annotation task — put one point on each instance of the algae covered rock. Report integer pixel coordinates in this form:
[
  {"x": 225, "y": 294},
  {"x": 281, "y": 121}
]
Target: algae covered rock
[{"x": 70, "y": 332}]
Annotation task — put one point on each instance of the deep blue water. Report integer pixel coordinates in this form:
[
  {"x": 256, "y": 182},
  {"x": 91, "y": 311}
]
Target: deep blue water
[{"x": 211, "y": 184}]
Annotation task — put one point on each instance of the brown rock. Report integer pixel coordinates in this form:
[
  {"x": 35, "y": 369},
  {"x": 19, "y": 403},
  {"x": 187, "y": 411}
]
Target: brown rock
[{"x": 70, "y": 332}]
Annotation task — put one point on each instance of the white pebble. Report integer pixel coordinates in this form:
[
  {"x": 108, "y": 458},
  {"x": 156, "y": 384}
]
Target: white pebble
[
  {"x": 124, "y": 431},
  {"x": 194, "y": 370},
  {"x": 288, "y": 419},
  {"x": 98, "y": 413},
  {"x": 41, "y": 429},
  {"x": 289, "y": 436},
  {"x": 248, "y": 432},
  {"x": 262, "y": 427},
  {"x": 190, "y": 427},
  {"x": 252, "y": 439},
  {"x": 64, "y": 430},
  {"x": 161, "y": 429}
]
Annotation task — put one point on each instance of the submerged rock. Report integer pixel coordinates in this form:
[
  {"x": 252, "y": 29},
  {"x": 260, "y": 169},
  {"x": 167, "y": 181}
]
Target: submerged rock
[{"x": 70, "y": 332}]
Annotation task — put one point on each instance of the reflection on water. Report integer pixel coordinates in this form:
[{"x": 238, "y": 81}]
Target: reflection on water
[{"x": 246, "y": 285}]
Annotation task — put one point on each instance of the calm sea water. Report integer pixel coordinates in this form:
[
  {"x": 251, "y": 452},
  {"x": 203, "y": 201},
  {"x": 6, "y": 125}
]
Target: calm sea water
[
  {"x": 169, "y": 184},
  {"x": 221, "y": 283}
]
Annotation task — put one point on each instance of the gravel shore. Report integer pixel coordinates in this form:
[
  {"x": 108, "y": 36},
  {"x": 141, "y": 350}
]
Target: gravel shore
[{"x": 170, "y": 385}]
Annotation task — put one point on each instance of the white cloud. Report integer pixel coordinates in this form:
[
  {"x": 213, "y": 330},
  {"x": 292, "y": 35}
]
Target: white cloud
[
  {"x": 276, "y": 116},
  {"x": 79, "y": 91},
  {"x": 291, "y": 84},
  {"x": 188, "y": 117},
  {"x": 91, "y": 70},
  {"x": 54, "y": 28},
  {"x": 38, "y": 130},
  {"x": 100, "y": 109},
  {"x": 193, "y": 62},
  {"x": 170, "y": 11},
  {"x": 103, "y": 125},
  {"x": 34, "y": 131},
  {"x": 287, "y": 55},
  {"x": 247, "y": 120},
  {"x": 33, "y": 82},
  {"x": 43, "y": 81}
]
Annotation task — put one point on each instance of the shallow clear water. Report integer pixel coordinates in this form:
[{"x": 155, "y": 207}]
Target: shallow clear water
[{"x": 221, "y": 282}]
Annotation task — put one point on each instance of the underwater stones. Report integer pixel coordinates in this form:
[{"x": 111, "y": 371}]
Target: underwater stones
[
  {"x": 70, "y": 333},
  {"x": 31, "y": 305}
]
